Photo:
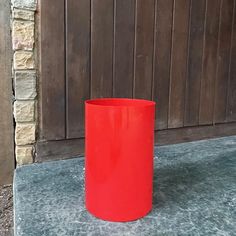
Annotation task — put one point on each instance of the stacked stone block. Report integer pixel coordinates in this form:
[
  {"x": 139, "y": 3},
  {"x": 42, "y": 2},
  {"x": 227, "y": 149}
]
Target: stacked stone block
[{"x": 24, "y": 74}]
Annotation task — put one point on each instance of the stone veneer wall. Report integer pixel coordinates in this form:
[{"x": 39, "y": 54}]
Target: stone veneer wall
[{"x": 24, "y": 78}]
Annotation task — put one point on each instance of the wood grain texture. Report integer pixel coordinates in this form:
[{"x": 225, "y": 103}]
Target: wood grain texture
[
  {"x": 188, "y": 134},
  {"x": 178, "y": 63},
  {"x": 144, "y": 45},
  {"x": 231, "y": 101},
  {"x": 101, "y": 48},
  {"x": 77, "y": 64},
  {"x": 223, "y": 61},
  {"x": 52, "y": 70},
  {"x": 163, "y": 31},
  {"x": 58, "y": 150},
  {"x": 64, "y": 149},
  {"x": 123, "y": 48},
  {"x": 209, "y": 62},
  {"x": 195, "y": 49},
  {"x": 6, "y": 118},
  {"x": 180, "y": 53}
]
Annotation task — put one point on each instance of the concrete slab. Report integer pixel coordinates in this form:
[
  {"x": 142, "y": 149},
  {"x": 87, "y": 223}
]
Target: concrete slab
[{"x": 194, "y": 194}]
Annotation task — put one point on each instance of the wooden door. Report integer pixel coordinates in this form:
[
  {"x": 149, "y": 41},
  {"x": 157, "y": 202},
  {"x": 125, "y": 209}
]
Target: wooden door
[
  {"x": 180, "y": 53},
  {"x": 6, "y": 117}
]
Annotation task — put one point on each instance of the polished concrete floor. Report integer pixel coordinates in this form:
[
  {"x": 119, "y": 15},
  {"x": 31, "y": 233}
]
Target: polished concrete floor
[{"x": 194, "y": 194}]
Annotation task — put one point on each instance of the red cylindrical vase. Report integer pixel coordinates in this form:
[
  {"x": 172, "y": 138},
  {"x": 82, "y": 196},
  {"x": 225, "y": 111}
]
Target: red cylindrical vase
[{"x": 119, "y": 140}]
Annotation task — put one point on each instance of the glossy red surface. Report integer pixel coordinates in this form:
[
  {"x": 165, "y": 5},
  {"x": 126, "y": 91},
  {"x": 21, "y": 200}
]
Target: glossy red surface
[{"x": 119, "y": 140}]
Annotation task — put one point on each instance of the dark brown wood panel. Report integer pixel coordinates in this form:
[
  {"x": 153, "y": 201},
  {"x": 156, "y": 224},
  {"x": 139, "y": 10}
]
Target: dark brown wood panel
[
  {"x": 60, "y": 149},
  {"x": 123, "y": 48},
  {"x": 209, "y": 62},
  {"x": 180, "y": 53},
  {"x": 64, "y": 149},
  {"x": 231, "y": 101},
  {"x": 188, "y": 134},
  {"x": 102, "y": 14},
  {"x": 6, "y": 118},
  {"x": 77, "y": 64},
  {"x": 223, "y": 59},
  {"x": 163, "y": 31},
  {"x": 178, "y": 63},
  {"x": 144, "y": 45},
  {"x": 52, "y": 70},
  {"x": 195, "y": 48}
]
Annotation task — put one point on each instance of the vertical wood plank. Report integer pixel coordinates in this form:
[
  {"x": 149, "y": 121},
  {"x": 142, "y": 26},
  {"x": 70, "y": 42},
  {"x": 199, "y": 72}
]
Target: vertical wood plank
[
  {"x": 209, "y": 62},
  {"x": 52, "y": 69},
  {"x": 231, "y": 101},
  {"x": 77, "y": 64},
  {"x": 6, "y": 118},
  {"x": 124, "y": 48},
  {"x": 223, "y": 61},
  {"x": 193, "y": 82},
  {"x": 144, "y": 49},
  {"x": 162, "y": 52},
  {"x": 178, "y": 63},
  {"x": 101, "y": 48}
]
